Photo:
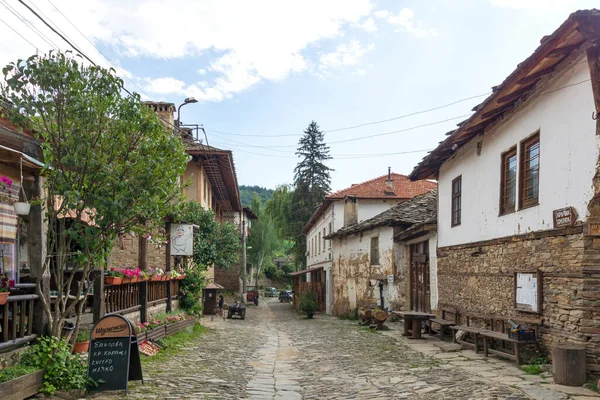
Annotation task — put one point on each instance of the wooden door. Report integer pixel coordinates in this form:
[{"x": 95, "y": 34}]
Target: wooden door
[{"x": 419, "y": 277}]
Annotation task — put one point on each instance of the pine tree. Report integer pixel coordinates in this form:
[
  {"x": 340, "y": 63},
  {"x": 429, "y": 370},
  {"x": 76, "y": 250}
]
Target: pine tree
[{"x": 312, "y": 183}]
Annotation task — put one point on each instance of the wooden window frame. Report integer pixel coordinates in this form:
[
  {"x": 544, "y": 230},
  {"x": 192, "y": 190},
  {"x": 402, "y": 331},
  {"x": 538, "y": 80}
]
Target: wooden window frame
[
  {"x": 523, "y": 173},
  {"x": 374, "y": 260},
  {"x": 458, "y": 198},
  {"x": 319, "y": 243},
  {"x": 504, "y": 209}
]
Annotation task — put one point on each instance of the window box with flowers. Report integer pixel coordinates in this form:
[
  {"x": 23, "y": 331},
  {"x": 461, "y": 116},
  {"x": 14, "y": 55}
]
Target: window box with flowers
[
  {"x": 156, "y": 274},
  {"x": 114, "y": 276},
  {"x": 5, "y": 287}
]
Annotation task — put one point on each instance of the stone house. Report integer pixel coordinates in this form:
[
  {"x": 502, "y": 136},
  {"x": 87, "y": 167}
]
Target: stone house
[
  {"x": 519, "y": 193},
  {"x": 369, "y": 267},
  {"x": 231, "y": 278},
  {"x": 348, "y": 207},
  {"x": 211, "y": 181}
]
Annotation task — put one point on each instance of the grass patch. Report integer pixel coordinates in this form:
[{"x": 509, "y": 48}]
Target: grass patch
[
  {"x": 14, "y": 372},
  {"x": 532, "y": 369},
  {"x": 592, "y": 385},
  {"x": 173, "y": 345}
]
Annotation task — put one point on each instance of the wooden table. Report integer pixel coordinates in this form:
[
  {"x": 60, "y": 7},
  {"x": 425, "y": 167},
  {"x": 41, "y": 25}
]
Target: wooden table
[{"x": 412, "y": 322}]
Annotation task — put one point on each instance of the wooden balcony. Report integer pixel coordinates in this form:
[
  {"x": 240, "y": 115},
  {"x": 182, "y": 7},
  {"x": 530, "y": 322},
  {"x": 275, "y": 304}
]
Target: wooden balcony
[{"x": 16, "y": 320}]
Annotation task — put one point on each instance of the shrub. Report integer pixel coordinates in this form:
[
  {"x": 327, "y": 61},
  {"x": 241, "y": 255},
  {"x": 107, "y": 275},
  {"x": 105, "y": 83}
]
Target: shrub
[
  {"x": 64, "y": 371},
  {"x": 14, "y": 372},
  {"x": 191, "y": 292},
  {"x": 308, "y": 304}
]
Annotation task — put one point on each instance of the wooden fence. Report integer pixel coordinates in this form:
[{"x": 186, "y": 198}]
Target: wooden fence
[
  {"x": 125, "y": 298},
  {"x": 318, "y": 288},
  {"x": 16, "y": 317}
]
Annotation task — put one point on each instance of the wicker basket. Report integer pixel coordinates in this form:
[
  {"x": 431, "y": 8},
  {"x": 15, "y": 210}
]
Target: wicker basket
[{"x": 522, "y": 336}]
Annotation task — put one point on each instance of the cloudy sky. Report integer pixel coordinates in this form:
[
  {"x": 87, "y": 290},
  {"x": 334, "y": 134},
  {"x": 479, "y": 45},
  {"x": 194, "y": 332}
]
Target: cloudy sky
[{"x": 262, "y": 70}]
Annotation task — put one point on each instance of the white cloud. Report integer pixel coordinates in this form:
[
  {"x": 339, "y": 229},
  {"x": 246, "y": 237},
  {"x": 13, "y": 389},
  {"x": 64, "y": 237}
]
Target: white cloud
[
  {"x": 369, "y": 25},
  {"x": 344, "y": 55},
  {"x": 381, "y": 14},
  {"x": 202, "y": 71},
  {"x": 245, "y": 43},
  {"x": 164, "y": 85},
  {"x": 533, "y": 4},
  {"x": 406, "y": 22}
]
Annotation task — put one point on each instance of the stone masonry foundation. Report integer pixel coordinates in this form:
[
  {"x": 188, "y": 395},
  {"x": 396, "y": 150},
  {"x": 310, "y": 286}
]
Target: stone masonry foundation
[{"x": 479, "y": 278}]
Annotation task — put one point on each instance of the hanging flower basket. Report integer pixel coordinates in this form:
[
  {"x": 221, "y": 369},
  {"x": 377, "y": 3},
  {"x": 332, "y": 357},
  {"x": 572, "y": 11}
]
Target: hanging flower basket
[
  {"x": 3, "y": 298},
  {"x": 113, "y": 280},
  {"x": 22, "y": 208}
]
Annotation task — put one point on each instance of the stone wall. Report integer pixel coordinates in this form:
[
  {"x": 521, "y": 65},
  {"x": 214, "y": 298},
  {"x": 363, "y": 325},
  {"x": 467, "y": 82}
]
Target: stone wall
[
  {"x": 125, "y": 253},
  {"x": 228, "y": 278},
  {"x": 479, "y": 278}
]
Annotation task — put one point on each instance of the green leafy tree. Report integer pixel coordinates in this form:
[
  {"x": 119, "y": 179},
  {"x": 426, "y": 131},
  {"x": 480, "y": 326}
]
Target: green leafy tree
[
  {"x": 214, "y": 243},
  {"x": 109, "y": 162},
  {"x": 263, "y": 241},
  {"x": 279, "y": 207}
]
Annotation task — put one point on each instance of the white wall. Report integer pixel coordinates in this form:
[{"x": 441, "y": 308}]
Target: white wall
[
  {"x": 369, "y": 208},
  {"x": 568, "y": 156}
]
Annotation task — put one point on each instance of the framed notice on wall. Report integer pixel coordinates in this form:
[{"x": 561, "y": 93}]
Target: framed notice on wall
[{"x": 528, "y": 291}]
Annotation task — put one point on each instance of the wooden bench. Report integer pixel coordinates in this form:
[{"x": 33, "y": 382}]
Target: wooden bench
[
  {"x": 491, "y": 337},
  {"x": 476, "y": 332},
  {"x": 444, "y": 322}
]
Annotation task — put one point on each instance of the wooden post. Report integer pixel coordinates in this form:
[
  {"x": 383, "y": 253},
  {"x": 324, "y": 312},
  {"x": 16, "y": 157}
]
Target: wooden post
[
  {"x": 98, "y": 305},
  {"x": 168, "y": 266},
  {"x": 36, "y": 242},
  {"x": 569, "y": 365},
  {"x": 143, "y": 264}
]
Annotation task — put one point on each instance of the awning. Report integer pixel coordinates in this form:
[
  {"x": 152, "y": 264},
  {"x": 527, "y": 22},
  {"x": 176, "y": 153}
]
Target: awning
[
  {"x": 305, "y": 271},
  {"x": 14, "y": 156}
]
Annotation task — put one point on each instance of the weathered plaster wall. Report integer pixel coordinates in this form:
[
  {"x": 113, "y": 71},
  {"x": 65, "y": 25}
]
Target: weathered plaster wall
[
  {"x": 367, "y": 209},
  {"x": 480, "y": 279},
  {"x": 352, "y": 270},
  {"x": 568, "y": 156}
]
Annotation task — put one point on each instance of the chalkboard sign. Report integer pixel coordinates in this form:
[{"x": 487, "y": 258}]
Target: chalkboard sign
[
  {"x": 113, "y": 351},
  {"x": 109, "y": 362}
]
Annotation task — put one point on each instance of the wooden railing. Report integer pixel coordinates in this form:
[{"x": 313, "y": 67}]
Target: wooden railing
[
  {"x": 16, "y": 320},
  {"x": 125, "y": 298},
  {"x": 122, "y": 298}
]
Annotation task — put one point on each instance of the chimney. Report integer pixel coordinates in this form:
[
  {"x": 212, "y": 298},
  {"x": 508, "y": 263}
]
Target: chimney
[
  {"x": 389, "y": 184},
  {"x": 164, "y": 111}
]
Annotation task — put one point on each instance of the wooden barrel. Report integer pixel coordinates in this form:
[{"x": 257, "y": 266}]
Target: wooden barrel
[
  {"x": 568, "y": 365},
  {"x": 380, "y": 316}
]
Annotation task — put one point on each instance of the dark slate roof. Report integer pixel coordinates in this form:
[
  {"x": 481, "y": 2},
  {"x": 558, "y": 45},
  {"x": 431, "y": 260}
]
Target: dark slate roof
[{"x": 419, "y": 209}]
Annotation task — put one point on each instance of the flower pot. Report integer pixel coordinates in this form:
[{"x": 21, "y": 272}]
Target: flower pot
[
  {"x": 165, "y": 278},
  {"x": 113, "y": 280},
  {"x": 127, "y": 280},
  {"x": 156, "y": 278},
  {"x": 22, "y": 208},
  {"x": 135, "y": 279},
  {"x": 3, "y": 298},
  {"x": 81, "y": 347}
]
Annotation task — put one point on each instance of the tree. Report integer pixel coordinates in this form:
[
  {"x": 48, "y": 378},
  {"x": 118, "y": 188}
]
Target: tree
[
  {"x": 109, "y": 162},
  {"x": 312, "y": 182},
  {"x": 214, "y": 243},
  {"x": 263, "y": 241},
  {"x": 279, "y": 207}
]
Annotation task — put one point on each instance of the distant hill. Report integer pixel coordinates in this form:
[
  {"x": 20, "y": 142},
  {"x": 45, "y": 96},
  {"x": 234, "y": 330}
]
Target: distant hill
[{"x": 247, "y": 192}]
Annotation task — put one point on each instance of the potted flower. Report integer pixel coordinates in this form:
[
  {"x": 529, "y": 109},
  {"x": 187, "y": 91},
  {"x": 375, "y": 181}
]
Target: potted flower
[
  {"x": 5, "y": 190},
  {"x": 114, "y": 276},
  {"x": 136, "y": 275},
  {"x": 143, "y": 275},
  {"x": 82, "y": 344},
  {"x": 156, "y": 274},
  {"x": 5, "y": 286}
]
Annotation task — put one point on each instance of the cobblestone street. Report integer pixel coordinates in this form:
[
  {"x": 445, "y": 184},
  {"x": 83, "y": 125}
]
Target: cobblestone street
[{"x": 274, "y": 353}]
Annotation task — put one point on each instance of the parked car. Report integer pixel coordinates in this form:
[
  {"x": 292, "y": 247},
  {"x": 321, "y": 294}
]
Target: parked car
[
  {"x": 270, "y": 292},
  {"x": 285, "y": 295}
]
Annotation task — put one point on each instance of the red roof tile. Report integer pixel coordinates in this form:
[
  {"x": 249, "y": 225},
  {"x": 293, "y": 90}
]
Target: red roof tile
[
  {"x": 401, "y": 188},
  {"x": 376, "y": 189}
]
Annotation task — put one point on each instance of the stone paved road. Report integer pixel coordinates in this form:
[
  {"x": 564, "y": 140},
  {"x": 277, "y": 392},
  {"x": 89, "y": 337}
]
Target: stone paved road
[{"x": 276, "y": 354}]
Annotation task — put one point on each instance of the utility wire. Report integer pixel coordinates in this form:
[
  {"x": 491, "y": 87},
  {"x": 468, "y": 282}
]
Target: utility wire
[
  {"x": 28, "y": 24},
  {"x": 22, "y": 37}
]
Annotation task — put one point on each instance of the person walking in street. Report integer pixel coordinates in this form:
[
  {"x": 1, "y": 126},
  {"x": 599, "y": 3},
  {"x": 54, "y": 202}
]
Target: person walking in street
[{"x": 221, "y": 301}]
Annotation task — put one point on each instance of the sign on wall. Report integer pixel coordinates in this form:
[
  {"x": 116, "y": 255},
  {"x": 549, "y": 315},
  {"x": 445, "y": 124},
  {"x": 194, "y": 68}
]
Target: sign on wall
[
  {"x": 564, "y": 217},
  {"x": 182, "y": 240},
  {"x": 390, "y": 278},
  {"x": 528, "y": 291}
]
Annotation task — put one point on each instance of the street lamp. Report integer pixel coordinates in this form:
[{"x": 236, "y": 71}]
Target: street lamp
[{"x": 189, "y": 100}]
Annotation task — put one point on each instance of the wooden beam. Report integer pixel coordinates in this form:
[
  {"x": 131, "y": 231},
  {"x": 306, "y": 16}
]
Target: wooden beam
[
  {"x": 515, "y": 95},
  {"x": 143, "y": 264},
  {"x": 536, "y": 76},
  {"x": 497, "y": 111},
  {"x": 563, "y": 51},
  {"x": 168, "y": 266}
]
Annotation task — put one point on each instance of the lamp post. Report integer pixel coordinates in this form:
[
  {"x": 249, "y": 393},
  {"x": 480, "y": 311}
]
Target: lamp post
[{"x": 189, "y": 100}]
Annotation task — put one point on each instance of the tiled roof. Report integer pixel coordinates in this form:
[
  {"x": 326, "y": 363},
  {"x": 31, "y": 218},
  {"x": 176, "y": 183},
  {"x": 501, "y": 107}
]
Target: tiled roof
[
  {"x": 378, "y": 188},
  {"x": 419, "y": 209}
]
